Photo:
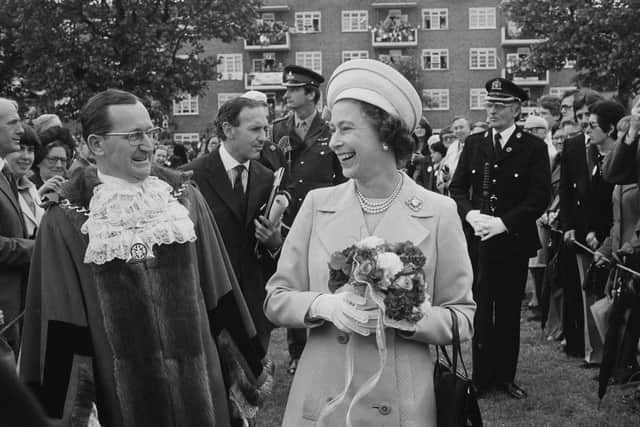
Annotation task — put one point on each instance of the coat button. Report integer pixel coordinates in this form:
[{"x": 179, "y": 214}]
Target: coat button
[
  {"x": 575, "y": 185},
  {"x": 300, "y": 181},
  {"x": 382, "y": 408},
  {"x": 473, "y": 171},
  {"x": 299, "y": 199},
  {"x": 302, "y": 162},
  {"x": 343, "y": 338},
  {"x": 322, "y": 153},
  {"x": 495, "y": 166},
  {"x": 515, "y": 175},
  {"x": 493, "y": 180},
  {"x": 578, "y": 202}
]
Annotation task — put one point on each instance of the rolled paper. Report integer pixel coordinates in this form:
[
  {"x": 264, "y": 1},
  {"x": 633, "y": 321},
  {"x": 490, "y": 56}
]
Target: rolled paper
[{"x": 280, "y": 204}]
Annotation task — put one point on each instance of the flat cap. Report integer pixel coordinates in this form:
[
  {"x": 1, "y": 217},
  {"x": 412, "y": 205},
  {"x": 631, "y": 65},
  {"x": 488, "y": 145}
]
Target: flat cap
[
  {"x": 297, "y": 76},
  {"x": 503, "y": 90},
  {"x": 378, "y": 84}
]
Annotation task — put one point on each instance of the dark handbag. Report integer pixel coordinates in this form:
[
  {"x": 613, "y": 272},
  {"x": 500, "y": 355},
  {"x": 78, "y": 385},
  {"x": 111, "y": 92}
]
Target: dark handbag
[{"x": 456, "y": 401}]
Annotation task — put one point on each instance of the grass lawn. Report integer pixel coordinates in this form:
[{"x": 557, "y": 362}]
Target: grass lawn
[{"x": 561, "y": 392}]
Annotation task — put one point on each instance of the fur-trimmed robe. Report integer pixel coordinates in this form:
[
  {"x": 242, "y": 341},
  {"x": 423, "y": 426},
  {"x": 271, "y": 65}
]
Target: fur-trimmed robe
[{"x": 136, "y": 338}]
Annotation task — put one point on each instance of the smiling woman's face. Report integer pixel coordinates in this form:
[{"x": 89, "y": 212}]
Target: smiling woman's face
[
  {"x": 21, "y": 161},
  {"x": 355, "y": 141}
]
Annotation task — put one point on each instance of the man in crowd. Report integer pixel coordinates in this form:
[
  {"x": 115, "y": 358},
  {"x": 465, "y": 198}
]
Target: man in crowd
[
  {"x": 549, "y": 108},
  {"x": 566, "y": 104},
  {"x": 502, "y": 185},
  {"x": 578, "y": 161},
  {"x": 132, "y": 305},
  {"x": 461, "y": 129},
  {"x": 15, "y": 247},
  {"x": 236, "y": 186},
  {"x": 304, "y": 140}
]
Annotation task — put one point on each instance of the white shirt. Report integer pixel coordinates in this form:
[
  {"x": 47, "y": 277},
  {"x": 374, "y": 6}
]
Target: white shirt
[
  {"x": 2, "y": 162},
  {"x": 110, "y": 179},
  {"x": 505, "y": 135},
  {"x": 453, "y": 156},
  {"x": 550, "y": 148},
  {"x": 230, "y": 163}
]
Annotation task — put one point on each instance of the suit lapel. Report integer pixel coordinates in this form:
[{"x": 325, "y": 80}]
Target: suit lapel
[
  {"x": 512, "y": 146},
  {"x": 314, "y": 130},
  {"x": 5, "y": 187},
  {"x": 486, "y": 147},
  {"x": 219, "y": 181}
]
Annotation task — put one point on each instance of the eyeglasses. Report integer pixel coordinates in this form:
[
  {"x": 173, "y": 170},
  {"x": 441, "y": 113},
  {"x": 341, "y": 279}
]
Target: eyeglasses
[
  {"x": 56, "y": 160},
  {"x": 136, "y": 137}
]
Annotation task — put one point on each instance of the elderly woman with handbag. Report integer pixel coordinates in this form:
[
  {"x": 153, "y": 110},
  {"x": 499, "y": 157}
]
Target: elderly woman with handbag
[{"x": 374, "y": 111}]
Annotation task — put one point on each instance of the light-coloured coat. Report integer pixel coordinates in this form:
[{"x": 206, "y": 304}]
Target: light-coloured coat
[{"x": 330, "y": 220}]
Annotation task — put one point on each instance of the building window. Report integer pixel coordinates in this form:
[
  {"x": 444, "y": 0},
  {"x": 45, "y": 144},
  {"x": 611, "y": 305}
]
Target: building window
[
  {"x": 308, "y": 22},
  {"x": 230, "y": 66},
  {"x": 435, "y": 19},
  {"x": 188, "y": 105},
  {"x": 477, "y": 98},
  {"x": 355, "y": 21},
  {"x": 560, "y": 90},
  {"x": 435, "y": 59},
  {"x": 482, "y": 58},
  {"x": 482, "y": 18},
  {"x": 570, "y": 63},
  {"x": 435, "y": 99},
  {"x": 186, "y": 138},
  {"x": 268, "y": 18},
  {"x": 224, "y": 97},
  {"x": 311, "y": 60},
  {"x": 354, "y": 54}
]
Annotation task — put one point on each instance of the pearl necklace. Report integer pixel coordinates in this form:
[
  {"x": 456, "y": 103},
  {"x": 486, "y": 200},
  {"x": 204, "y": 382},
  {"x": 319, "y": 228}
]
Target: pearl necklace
[{"x": 374, "y": 207}]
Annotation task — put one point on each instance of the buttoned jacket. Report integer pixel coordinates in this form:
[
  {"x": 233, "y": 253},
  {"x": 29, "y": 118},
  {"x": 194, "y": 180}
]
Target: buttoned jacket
[
  {"x": 519, "y": 187},
  {"x": 330, "y": 220}
]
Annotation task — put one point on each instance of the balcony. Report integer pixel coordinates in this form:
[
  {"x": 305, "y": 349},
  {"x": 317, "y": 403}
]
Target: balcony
[
  {"x": 271, "y": 80},
  {"x": 511, "y": 35},
  {"x": 527, "y": 76},
  {"x": 394, "y": 34},
  {"x": 270, "y": 36}
]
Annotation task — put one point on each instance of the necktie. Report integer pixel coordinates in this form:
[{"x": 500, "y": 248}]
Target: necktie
[
  {"x": 10, "y": 179},
  {"x": 498, "y": 144},
  {"x": 238, "y": 188}
]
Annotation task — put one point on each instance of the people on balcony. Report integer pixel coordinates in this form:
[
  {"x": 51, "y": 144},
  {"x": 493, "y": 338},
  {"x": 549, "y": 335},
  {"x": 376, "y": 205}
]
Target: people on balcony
[{"x": 394, "y": 30}]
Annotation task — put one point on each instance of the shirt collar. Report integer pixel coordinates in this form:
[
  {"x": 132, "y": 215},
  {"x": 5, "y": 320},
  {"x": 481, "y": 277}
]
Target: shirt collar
[
  {"x": 2, "y": 163},
  {"x": 227, "y": 159},
  {"x": 109, "y": 179},
  {"x": 307, "y": 119},
  {"x": 505, "y": 134}
]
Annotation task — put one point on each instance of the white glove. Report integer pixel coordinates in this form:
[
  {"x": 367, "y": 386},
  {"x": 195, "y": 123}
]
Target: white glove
[{"x": 346, "y": 311}]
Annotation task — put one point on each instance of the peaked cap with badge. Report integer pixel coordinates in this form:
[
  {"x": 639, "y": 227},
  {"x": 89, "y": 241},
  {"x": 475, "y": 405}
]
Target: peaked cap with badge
[
  {"x": 503, "y": 90},
  {"x": 297, "y": 76}
]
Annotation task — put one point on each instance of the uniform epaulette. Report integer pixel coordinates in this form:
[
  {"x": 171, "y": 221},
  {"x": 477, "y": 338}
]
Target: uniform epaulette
[{"x": 281, "y": 119}]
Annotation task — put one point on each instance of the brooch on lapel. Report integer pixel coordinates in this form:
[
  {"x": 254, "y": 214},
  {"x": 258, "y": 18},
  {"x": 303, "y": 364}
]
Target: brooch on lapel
[
  {"x": 508, "y": 149},
  {"x": 272, "y": 147},
  {"x": 414, "y": 203},
  {"x": 519, "y": 135},
  {"x": 138, "y": 252}
]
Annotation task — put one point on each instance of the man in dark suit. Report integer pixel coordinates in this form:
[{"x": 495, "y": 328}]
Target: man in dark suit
[
  {"x": 15, "y": 247},
  {"x": 236, "y": 187},
  {"x": 502, "y": 185},
  {"x": 577, "y": 171},
  {"x": 303, "y": 137}
]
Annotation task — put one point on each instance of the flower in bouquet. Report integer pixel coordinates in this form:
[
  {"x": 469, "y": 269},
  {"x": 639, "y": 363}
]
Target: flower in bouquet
[{"x": 392, "y": 272}]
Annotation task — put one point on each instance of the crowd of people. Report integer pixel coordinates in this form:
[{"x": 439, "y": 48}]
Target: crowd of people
[{"x": 141, "y": 279}]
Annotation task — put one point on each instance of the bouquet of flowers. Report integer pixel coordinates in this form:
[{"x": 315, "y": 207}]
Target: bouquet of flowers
[
  {"x": 390, "y": 277},
  {"x": 392, "y": 272}
]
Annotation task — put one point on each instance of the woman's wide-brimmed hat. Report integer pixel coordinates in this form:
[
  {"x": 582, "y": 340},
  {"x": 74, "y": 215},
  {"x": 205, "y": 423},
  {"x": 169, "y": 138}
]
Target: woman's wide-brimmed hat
[{"x": 379, "y": 84}]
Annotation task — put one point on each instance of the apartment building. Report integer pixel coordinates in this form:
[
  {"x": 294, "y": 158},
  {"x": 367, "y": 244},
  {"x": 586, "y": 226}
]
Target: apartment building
[{"x": 457, "y": 45}]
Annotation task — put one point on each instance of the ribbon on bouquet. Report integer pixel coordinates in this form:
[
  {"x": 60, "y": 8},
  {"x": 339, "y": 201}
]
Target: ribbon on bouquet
[{"x": 368, "y": 385}]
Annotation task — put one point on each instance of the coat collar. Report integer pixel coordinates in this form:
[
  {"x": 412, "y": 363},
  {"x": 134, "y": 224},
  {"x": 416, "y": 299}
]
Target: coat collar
[
  {"x": 513, "y": 145},
  {"x": 345, "y": 224},
  {"x": 5, "y": 188}
]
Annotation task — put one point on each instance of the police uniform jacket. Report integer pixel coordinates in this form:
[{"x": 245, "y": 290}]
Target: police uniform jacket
[
  {"x": 313, "y": 164},
  {"x": 519, "y": 179}
]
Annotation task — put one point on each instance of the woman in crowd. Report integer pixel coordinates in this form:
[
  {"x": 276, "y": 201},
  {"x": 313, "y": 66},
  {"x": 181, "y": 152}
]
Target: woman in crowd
[
  {"x": 29, "y": 197},
  {"x": 419, "y": 166},
  {"x": 54, "y": 155},
  {"x": 438, "y": 151},
  {"x": 374, "y": 110}
]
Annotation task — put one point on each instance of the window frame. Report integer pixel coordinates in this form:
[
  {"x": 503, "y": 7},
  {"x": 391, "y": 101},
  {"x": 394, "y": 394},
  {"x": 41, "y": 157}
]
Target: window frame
[
  {"x": 438, "y": 53},
  {"x": 223, "y": 58},
  {"x": 480, "y": 94},
  {"x": 358, "y": 52},
  {"x": 186, "y": 137},
  {"x": 310, "y": 15},
  {"x": 440, "y": 93},
  {"x": 188, "y": 106},
  {"x": 350, "y": 15},
  {"x": 429, "y": 12},
  {"x": 307, "y": 53},
  {"x": 487, "y": 13},
  {"x": 483, "y": 51}
]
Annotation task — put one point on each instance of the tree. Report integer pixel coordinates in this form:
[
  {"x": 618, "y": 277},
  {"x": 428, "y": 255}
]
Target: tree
[
  {"x": 67, "y": 50},
  {"x": 601, "y": 36}
]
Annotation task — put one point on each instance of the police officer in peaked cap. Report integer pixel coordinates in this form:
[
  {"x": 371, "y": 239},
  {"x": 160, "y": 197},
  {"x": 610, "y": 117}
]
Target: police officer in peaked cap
[{"x": 502, "y": 185}]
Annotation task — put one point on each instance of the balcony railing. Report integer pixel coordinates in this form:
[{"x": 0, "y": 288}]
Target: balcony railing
[
  {"x": 271, "y": 80},
  {"x": 512, "y": 36},
  {"x": 394, "y": 34},
  {"x": 270, "y": 37},
  {"x": 528, "y": 77}
]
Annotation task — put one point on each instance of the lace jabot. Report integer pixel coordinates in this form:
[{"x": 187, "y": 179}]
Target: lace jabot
[{"x": 126, "y": 220}]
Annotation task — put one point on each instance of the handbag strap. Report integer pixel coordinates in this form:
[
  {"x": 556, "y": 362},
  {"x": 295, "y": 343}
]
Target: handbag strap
[{"x": 455, "y": 345}]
